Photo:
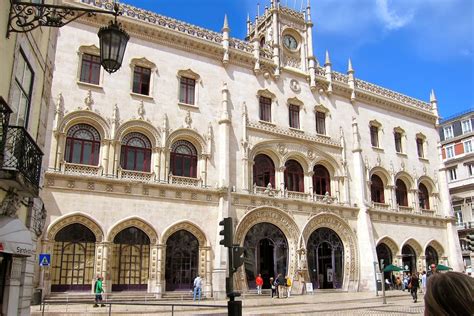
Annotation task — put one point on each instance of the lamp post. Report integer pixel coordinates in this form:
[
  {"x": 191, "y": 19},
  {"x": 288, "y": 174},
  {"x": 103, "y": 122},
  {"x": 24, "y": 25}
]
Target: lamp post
[{"x": 27, "y": 16}]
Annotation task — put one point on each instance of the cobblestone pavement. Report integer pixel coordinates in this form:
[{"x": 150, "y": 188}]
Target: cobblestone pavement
[{"x": 321, "y": 303}]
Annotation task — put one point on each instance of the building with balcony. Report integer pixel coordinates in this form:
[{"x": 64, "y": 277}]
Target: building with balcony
[
  {"x": 316, "y": 167},
  {"x": 25, "y": 101},
  {"x": 457, "y": 143}
]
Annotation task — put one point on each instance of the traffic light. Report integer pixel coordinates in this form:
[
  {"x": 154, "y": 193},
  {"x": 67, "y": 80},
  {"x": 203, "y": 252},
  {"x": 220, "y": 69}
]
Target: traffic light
[
  {"x": 226, "y": 232},
  {"x": 237, "y": 257},
  {"x": 470, "y": 242}
]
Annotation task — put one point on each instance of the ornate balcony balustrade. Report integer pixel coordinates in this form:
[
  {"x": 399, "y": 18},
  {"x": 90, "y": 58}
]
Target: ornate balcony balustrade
[
  {"x": 21, "y": 159},
  {"x": 405, "y": 209},
  {"x": 186, "y": 181},
  {"x": 381, "y": 206},
  {"x": 81, "y": 170},
  {"x": 135, "y": 175}
]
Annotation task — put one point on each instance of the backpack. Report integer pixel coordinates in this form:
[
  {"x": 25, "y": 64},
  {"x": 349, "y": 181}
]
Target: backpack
[{"x": 288, "y": 282}]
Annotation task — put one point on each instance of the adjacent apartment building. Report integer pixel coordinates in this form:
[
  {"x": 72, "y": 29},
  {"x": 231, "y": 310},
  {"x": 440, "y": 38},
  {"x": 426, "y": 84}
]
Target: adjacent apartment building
[
  {"x": 25, "y": 100},
  {"x": 323, "y": 173},
  {"x": 457, "y": 146}
]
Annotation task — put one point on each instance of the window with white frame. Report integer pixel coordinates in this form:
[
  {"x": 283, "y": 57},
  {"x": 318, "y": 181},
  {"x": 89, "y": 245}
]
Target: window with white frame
[
  {"x": 450, "y": 152},
  {"x": 142, "y": 77},
  {"x": 458, "y": 214},
  {"x": 468, "y": 146},
  {"x": 188, "y": 92},
  {"x": 22, "y": 91},
  {"x": 448, "y": 132},
  {"x": 452, "y": 174},
  {"x": 466, "y": 126},
  {"x": 470, "y": 170}
]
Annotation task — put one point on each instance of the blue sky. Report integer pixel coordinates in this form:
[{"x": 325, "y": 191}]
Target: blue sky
[{"x": 410, "y": 46}]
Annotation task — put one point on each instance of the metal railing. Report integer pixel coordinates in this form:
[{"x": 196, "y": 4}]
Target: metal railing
[
  {"x": 5, "y": 112},
  {"x": 21, "y": 153},
  {"x": 134, "y": 303}
]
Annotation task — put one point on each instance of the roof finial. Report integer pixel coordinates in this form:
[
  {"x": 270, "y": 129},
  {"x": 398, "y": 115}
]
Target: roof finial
[
  {"x": 226, "y": 23},
  {"x": 327, "y": 61},
  {"x": 258, "y": 9},
  {"x": 349, "y": 67},
  {"x": 432, "y": 96}
]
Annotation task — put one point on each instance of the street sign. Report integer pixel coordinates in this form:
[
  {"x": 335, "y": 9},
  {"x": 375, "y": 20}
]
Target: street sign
[{"x": 44, "y": 259}]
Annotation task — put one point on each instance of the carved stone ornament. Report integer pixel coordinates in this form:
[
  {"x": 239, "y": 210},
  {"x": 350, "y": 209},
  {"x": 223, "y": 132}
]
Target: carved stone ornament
[
  {"x": 88, "y": 100},
  {"x": 141, "y": 110},
  {"x": 310, "y": 154},
  {"x": 10, "y": 204},
  {"x": 38, "y": 219},
  {"x": 188, "y": 120},
  {"x": 295, "y": 86},
  {"x": 282, "y": 149}
]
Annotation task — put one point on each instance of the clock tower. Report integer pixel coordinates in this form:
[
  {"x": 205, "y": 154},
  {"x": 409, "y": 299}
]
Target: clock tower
[{"x": 282, "y": 40}]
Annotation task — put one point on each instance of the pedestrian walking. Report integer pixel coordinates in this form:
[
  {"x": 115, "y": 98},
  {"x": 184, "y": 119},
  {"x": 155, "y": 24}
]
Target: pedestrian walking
[
  {"x": 423, "y": 282},
  {"x": 98, "y": 290},
  {"x": 259, "y": 283},
  {"x": 273, "y": 287},
  {"x": 288, "y": 286},
  {"x": 413, "y": 286},
  {"x": 197, "y": 288},
  {"x": 431, "y": 271},
  {"x": 281, "y": 286}
]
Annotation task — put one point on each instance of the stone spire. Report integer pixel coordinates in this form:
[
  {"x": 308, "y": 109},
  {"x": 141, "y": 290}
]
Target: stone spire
[
  {"x": 311, "y": 59},
  {"x": 225, "y": 40},
  {"x": 434, "y": 104},
  {"x": 351, "y": 80},
  {"x": 328, "y": 72}
]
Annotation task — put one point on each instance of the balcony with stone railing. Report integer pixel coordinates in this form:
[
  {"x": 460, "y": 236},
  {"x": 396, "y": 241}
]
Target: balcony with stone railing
[
  {"x": 427, "y": 212},
  {"x": 405, "y": 209},
  {"x": 138, "y": 176},
  {"x": 81, "y": 170},
  {"x": 185, "y": 181},
  {"x": 381, "y": 206}
]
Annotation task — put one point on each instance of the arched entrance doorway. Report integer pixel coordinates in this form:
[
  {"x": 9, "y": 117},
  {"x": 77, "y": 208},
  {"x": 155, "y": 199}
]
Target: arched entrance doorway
[
  {"x": 266, "y": 252},
  {"x": 431, "y": 256},
  {"x": 182, "y": 254},
  {"x": 325, "y": 259},
  {"x": 73, "y": 259},
  {"x": 132, "y": 257},
  {"x": 409, "y": 258},
  {"x": 384, "y": 253}
]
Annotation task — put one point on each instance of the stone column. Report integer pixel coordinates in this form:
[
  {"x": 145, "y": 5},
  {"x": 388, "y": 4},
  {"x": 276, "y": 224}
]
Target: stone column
[
  {"x": 103, "y": 253},
  {"x": 308, "y": 182},
  {"x": 393, "y": 197},
  {"x": 60, "y": 150},
  {"x": 365, "y": 240},
  {"x": 152, "y": 284},
  {"x": 156, "y": 162},
  {"x": 415, "y": 204},
  {"x": 280, "y": 179},
  {"x": 105, "y": 157},
  {"x": 422, "y": 266},
  {"x": 12, "y": 287},
  {"x": 160, "y": 273}
]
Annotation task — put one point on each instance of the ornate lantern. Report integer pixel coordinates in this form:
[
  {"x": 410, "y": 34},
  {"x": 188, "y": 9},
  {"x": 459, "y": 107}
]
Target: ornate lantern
[{"x": 113, "y": 41}]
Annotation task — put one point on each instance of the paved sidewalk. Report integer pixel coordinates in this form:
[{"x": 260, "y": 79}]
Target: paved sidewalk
[{"x": 321, "y": 303}]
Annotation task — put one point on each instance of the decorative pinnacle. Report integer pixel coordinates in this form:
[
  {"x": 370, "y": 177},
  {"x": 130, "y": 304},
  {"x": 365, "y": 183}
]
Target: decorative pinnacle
[
  {"x": 226, "y": 24},
  {"x": 432, "y": 96},
  {"x": 327, "y": 61},
  {"x": 349, "y": 67}
]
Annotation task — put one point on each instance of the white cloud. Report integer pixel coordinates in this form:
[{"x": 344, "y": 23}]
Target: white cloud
[{"x": 390, "y": 17}]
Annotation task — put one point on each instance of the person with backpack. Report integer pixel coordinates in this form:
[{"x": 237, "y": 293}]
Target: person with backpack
[
  {"x": 288, "y": 285},
  {"x": 98, "y": 290}
]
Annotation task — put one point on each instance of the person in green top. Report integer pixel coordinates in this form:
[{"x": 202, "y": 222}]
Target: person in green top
[{"x": 98, "y": 290}]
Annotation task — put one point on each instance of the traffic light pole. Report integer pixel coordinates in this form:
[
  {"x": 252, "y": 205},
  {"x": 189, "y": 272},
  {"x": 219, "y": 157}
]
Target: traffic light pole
[{"x": 234, "y": 308}]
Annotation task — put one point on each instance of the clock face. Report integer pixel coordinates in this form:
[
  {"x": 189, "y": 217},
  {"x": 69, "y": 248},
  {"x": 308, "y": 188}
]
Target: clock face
[{"x": 290, "y": 42}]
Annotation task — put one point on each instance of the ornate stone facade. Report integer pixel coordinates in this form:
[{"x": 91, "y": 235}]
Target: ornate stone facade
[{"x": 317, "y": 178}]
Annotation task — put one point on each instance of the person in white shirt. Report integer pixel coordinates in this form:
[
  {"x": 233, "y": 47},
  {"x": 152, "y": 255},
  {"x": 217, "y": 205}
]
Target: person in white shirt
[
  {"x": 423, "y": 282},
  {"x": 197, "y": 288}
]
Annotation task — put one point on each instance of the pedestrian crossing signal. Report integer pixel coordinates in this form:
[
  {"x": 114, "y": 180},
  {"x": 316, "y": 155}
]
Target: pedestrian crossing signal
[{"x": 44, "y": 260}]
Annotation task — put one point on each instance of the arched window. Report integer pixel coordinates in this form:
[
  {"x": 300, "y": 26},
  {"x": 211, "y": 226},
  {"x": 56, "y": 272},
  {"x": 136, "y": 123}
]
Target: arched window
[
  {"x": 402, "y": 193},
  {"x": 263, "y": 171},
  {"x": 431, "y": 256},
  {"x": 321, "y": 180},
  {"x": 377, "y": 189},
  {"x": 183, "y": 159},
  {"x": 294, "y": 176},
  {"x": 423, "y": 197},
  {"x": 136, "y": 152},
  {"x": 82, "y": 145},
  {"x": 132, "y": 256},
  {"x": 72, "y": 267}
]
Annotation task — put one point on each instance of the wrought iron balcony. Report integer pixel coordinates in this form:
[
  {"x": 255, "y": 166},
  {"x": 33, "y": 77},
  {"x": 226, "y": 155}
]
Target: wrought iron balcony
[{"x": 20, "y": 156}]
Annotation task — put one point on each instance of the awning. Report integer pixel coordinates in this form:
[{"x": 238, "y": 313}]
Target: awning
[{"x": 15, "y": 238}]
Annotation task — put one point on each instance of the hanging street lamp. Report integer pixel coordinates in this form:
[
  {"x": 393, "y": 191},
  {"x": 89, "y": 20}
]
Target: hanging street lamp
[{"x": 27, "y": 16}]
